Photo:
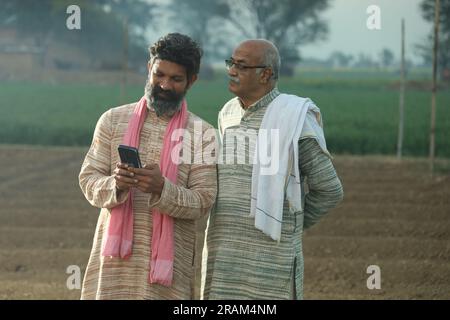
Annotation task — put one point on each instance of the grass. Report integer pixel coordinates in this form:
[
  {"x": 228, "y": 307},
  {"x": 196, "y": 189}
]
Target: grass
[{"x": 360, "y": 110}]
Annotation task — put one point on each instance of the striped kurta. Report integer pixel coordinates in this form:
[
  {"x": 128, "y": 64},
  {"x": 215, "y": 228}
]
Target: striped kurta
[
  {"x": 243, "y": 262},
  {"x": 188, "y": 202}
]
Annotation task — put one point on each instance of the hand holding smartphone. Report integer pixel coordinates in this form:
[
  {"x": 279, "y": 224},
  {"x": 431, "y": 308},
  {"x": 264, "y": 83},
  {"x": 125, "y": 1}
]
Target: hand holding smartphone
[{"x": 129, "y": 155}]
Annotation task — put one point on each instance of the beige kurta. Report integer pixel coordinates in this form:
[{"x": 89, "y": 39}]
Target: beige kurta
[
  {"x": 243, "y": 262},
  {"x": 189, "y": 202}
]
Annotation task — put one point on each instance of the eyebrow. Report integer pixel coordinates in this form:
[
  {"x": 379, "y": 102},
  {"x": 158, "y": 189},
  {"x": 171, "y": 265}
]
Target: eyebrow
[
  {"x": 238, "y": 60},
  {"x": 157, "y": 70}
]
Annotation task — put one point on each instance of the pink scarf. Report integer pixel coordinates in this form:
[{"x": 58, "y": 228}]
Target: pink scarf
[{"x": 119, "y": 238}]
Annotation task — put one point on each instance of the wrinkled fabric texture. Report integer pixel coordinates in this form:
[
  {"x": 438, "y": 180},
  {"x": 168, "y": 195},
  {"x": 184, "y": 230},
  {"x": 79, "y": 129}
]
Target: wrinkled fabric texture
[
  {"x": 285, "y": 116},
  {"x": 243, "y": 262},
  {"x": 188, "y": 202},
  {"x": 120, "y": 232}
]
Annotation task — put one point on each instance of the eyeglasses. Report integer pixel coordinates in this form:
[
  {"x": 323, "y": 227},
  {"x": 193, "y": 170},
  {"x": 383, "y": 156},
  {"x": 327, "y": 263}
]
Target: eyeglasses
[{"x": 229, "y": 63}]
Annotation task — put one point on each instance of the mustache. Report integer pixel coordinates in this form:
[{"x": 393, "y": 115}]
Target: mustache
[
  {"x": 234, "y": 79},
  {"x": 161, "y": 94}
]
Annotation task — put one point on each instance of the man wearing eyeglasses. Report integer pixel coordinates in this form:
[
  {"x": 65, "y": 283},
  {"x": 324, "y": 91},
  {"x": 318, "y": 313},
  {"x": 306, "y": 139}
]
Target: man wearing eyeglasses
[{"x": 265, "y": 199}]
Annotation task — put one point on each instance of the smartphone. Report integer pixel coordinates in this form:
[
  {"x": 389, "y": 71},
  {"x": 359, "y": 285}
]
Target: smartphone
[{"x": 129, "y": 155}]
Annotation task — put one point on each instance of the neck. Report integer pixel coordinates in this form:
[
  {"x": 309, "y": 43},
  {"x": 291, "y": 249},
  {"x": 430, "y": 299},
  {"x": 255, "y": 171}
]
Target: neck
[{"x": 248, "y": 101}]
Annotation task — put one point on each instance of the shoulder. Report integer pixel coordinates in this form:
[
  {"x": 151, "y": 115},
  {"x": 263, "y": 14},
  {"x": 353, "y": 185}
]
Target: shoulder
[
  {"x": 230, "y": 114},
  {"x": 123, "y": 109},
  {"x": 294, "y": 101},
  {"x": 121, "y": 113},
  {"x": 113, "y": 116},
  {"x": 231, "y": 107},
  {"x": 194, "y": 121},
  {"x": 202, "y": 132}
]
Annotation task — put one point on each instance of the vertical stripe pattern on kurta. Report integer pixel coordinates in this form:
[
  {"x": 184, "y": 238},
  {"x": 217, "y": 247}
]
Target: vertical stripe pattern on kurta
[
  {"x": 188, "y": 202},
  {"x": 243, "y": 262}
]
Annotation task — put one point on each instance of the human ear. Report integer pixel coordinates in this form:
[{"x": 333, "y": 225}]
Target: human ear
[{"x": 265, "y": 75}]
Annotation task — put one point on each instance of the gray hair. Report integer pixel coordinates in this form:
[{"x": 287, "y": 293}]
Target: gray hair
[{"x": 271, "y": 59}]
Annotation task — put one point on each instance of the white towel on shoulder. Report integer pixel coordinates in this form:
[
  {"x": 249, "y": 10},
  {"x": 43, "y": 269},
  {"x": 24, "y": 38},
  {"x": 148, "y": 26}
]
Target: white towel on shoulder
[{"x": 278, "y": 173}]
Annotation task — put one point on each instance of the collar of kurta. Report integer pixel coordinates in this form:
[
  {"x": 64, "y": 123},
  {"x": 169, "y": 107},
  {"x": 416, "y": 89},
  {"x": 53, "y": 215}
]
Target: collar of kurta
[{"x": 263, "y": 102}]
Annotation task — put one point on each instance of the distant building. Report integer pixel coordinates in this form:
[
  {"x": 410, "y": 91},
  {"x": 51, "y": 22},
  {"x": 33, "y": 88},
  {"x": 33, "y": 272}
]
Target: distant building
[
  {"x": 17, "y": 58},
  {"x": 25, "y": 58}
]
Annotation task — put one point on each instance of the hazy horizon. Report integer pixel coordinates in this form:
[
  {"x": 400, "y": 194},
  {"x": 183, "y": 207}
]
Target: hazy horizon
[{"x": 348, "y": 31}]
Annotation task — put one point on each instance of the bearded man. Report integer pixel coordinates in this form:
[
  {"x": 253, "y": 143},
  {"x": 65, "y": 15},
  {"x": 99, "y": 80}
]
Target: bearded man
[{"x": 147, "y": 232}]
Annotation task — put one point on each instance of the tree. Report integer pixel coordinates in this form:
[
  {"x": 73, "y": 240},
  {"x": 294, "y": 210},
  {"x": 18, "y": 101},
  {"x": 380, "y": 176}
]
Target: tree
[
  {"x": 101, "y": 33},
  {"x": 365, "y": 61},
  {"x": 137, "y": 15},
  {"x": 27, "y": 16},
  {"x": 207, "y": 16},
  {"x": 386, "y": 57},
  {"x": 338, "y": 58},
  {"x": 427, "y": 7},
  {"x": 287, "y": 23},
  {"x": 425, "y": 50}
]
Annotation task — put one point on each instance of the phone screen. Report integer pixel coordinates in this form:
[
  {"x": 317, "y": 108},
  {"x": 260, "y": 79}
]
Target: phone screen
[{"x": 130, "y": 156}]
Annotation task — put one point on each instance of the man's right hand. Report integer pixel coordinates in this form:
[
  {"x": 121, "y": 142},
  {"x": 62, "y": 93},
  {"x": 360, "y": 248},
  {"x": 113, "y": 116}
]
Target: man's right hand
[{"x": 124, "y": 178}]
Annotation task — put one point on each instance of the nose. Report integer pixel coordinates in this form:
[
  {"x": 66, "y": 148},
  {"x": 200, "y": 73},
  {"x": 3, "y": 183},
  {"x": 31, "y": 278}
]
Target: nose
[
  {"x": 166, "y": 84},
  {"x": 232, "y": 71}
]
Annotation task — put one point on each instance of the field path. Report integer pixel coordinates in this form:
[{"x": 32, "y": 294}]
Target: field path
[{"x": 394, "y": 216}]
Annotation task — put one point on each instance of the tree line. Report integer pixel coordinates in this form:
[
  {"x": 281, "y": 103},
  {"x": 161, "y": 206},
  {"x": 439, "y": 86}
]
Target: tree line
[
  {"x": 216, "y": 25},
  {"x": 211, "y": 23}
]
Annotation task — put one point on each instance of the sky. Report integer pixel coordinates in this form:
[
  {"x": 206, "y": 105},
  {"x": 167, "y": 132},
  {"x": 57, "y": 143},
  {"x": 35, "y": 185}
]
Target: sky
[{"x": 348, "y": 32}]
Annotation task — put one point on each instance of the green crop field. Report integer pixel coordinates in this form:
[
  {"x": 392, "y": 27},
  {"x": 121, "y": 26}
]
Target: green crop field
[{"x": 360, "y": 110}]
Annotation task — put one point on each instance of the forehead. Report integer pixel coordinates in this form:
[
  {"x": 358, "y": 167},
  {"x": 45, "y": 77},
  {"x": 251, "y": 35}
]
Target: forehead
[
  {"x": 168, "y": 67},
  {"x": 247, "y": 52}
]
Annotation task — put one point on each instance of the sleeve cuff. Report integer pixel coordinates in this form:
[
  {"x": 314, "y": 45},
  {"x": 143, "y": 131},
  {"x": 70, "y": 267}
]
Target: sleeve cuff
[
  {"x": 161, "y": 202},
  {"x": 120, "y": 195}
]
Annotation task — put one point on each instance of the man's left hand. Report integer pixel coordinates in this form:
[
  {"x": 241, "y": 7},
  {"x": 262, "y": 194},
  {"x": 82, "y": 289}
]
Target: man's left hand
[{"x": 150, "y": 179}]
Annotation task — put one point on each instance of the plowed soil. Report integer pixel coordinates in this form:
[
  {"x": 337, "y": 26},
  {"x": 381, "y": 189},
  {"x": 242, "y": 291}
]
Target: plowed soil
[{"x": 394, "y": 215}]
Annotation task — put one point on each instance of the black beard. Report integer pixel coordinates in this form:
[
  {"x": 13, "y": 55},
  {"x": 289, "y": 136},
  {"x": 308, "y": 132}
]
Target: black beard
[{"x": 163, "y": 105}]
